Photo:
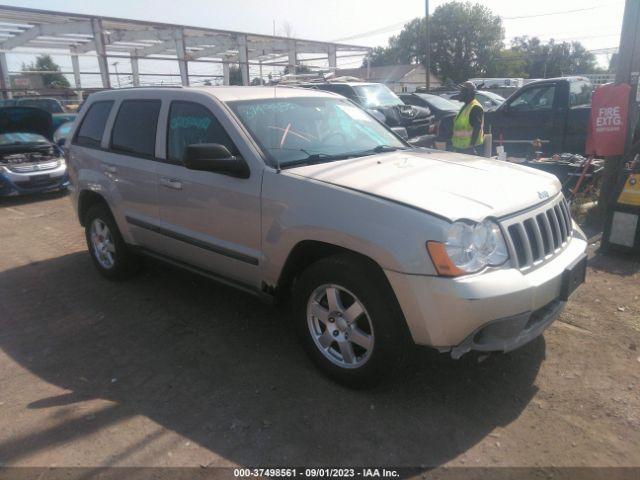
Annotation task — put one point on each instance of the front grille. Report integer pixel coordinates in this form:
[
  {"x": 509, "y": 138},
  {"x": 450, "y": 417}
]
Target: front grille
[
  {"x": 539, "y": 235},
  {"x": 38, "y": 183},
  {"x": 34, "y": 167}
]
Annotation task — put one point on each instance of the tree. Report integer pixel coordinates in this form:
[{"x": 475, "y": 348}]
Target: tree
[
  {"x": 509, "y": 63},
  {"x": 553, "y": 59},
  {"x": 235, "y": 75},
  {"x": 53, "y": 79},
  {"x": 465, "y": 41},
  {"x": 299, "y": 69}
]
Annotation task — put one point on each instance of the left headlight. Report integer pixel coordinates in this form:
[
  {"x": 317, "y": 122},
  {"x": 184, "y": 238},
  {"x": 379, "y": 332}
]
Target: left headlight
[{"x": 469, "y": 248}]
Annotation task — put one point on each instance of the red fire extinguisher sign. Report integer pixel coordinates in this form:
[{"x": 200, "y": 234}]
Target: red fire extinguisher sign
[{"x": 608, "y": 123}]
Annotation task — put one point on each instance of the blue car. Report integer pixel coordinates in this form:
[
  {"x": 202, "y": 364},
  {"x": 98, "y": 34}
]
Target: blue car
[{"x": 29, "y": 161}]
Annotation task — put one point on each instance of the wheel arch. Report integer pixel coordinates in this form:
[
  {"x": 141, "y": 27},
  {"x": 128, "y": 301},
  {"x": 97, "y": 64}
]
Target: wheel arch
[
  {"x": 307, "y": 252},
  {"x": 86, "y": 200}
]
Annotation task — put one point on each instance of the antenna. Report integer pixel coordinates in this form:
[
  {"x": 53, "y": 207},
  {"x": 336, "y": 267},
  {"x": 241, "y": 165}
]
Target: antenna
[{"x": 275, "y": 95}]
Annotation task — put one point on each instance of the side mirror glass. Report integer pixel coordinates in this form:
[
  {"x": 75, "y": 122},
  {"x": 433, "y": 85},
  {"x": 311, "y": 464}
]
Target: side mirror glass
[{"x": 214, "y": 157}]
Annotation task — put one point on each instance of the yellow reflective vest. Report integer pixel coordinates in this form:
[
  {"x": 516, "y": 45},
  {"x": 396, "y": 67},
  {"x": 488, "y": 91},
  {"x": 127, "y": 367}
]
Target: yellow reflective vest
[{"x": 463, "y": 130}]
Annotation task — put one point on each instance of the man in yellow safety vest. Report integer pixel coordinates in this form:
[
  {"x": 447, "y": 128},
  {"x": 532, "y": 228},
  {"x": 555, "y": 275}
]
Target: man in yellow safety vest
[{"x": 469, "y": 123}]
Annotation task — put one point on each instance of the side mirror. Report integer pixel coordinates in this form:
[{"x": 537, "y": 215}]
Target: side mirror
[{"x": 214, "y": 157}]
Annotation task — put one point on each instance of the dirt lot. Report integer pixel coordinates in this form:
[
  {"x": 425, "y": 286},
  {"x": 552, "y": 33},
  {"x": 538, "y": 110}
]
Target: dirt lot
[{"x": 171, "y": 369}]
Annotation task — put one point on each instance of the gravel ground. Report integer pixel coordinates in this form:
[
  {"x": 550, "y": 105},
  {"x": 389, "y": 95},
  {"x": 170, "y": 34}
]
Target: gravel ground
[{"x": 169, "y": 369}]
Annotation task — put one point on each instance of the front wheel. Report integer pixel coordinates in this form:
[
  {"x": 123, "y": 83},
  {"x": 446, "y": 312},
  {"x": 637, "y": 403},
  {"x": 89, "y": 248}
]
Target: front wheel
[
  {"x": 348, "y": 320},
  {"x": 108, "y": 250}
]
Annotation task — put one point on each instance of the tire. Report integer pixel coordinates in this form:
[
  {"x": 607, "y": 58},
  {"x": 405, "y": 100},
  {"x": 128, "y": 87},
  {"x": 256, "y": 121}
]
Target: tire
[
  {"x": 326, "y": 326},
  {"x": 109, "y": 253}
]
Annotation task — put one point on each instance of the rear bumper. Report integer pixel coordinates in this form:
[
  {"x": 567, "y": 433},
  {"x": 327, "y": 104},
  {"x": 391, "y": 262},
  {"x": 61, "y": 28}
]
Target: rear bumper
[
  {"x": 12, "y": 184},
  {"x": 494, "y": 310}
]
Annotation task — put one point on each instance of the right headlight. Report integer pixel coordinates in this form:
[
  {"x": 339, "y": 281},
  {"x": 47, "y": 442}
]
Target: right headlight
[{"x": 469, "y": 247}]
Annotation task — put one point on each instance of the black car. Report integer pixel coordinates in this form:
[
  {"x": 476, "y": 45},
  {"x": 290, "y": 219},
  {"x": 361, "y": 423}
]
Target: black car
[
  {"x": 385, "y": 105},
  {"x": 443, "y": 110}
]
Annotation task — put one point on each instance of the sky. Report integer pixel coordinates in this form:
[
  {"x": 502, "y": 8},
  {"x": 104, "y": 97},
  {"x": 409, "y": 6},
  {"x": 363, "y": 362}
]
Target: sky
[{"x": 596, "y": 23}]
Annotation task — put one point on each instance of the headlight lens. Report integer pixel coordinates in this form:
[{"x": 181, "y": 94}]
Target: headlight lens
[{"x": 471, "y": 247}]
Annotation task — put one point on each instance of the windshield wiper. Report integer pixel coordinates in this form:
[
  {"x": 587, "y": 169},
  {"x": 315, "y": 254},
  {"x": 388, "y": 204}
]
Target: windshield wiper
[
  {"x": 314, "y": 158},
  {"x": 385, "y": 148}
]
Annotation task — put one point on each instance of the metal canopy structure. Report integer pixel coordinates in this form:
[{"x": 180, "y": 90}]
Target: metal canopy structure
[{"x": 104, "y": 37}]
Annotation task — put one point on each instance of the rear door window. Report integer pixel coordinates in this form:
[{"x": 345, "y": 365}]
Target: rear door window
[
  {"x": 92, "y": 127},
  {"x": 189, "y": 124},
  {"x": 134, "y": 131}
]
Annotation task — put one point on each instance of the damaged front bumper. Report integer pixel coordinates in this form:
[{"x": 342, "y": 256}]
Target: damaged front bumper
[{"x": 507, "y": 334}]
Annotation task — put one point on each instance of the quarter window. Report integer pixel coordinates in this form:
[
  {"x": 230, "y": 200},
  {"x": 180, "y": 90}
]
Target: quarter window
[
  {"x": 189, "y": 124},
  {"x": 134, "y": 131},
  {"x": 92, "y": 128}
]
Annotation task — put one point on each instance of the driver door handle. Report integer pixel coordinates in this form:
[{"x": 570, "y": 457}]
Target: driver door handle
[{"x": 171, "y": 183}]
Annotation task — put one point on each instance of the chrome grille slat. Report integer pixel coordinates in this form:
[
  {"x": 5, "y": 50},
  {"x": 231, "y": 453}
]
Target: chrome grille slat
[
  {"x": 562, "y": 221},
  {"x": 547, "y": 229},
  {"x": 557, "y": 240},
  {"x": 525, "y": 243},
  {"x": 536, "y": 236},
  {"x": 564, "y": 206}
]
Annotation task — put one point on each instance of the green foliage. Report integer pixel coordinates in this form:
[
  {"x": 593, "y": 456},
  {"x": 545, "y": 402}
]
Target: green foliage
[
  {"x": 44, "y": 63},
  {"x": 544, "y": 60},
  {"x": 465, "y": 38},
  {"x": 235, "y": 75},
  {"x": 467, "y": 42},
  {"x": 299, "y": 69}
]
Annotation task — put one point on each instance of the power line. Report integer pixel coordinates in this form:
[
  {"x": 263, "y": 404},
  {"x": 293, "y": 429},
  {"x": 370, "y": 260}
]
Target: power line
[
  {"x": 556, "y": 13},
  {"x": 370, "y": 33}
]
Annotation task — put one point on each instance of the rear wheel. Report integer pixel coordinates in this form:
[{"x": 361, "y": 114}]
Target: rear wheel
[
  {"x": 349, "y": 321},
  {"x": 108, "y": 251}
]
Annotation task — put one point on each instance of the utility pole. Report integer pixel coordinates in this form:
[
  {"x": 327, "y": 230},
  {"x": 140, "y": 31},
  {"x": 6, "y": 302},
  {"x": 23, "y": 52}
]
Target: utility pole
[
  {"x": 427, "y": 58},
  {"x": 115, "y": 65},
  {"x": 627, "y": 71}
]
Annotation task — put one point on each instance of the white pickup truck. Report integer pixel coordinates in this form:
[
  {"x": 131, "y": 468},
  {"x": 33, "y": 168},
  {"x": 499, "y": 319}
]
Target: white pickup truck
[{"x": 295, "y": 194}]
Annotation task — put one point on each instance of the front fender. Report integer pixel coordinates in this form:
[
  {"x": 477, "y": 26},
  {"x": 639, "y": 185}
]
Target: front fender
[{"x": 295, "y": 209}]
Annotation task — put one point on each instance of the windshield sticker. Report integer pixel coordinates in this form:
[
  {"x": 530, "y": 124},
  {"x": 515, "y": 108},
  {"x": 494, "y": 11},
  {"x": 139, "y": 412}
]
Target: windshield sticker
[{"x": 201, "y": 123}]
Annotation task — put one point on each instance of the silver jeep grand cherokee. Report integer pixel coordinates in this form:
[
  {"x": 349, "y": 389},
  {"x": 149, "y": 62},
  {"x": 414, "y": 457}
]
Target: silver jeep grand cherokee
[{"x": 299, "y": 194}]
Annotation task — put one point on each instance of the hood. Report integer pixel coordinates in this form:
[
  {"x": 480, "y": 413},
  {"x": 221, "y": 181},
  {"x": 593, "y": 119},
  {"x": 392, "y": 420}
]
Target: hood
[
  {"x": 448, "y": 184},
  {"x": 25, "y": 120}
]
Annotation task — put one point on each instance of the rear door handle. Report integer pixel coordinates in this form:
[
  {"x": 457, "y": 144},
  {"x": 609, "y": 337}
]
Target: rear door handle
[
  {"x": 109, "y": 168},
  {"x": 171, "y": 183}
]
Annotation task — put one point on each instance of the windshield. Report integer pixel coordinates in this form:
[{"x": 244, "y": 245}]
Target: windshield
[
  {"x": 48, "y": 104},
  {"x": 440, "y": 103},
  {"x": 291, "y": 130},
  {"x": 7, "y": 139},
  {"x": 493, "y": 96},
  {"x": 376, "y": 95}
]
